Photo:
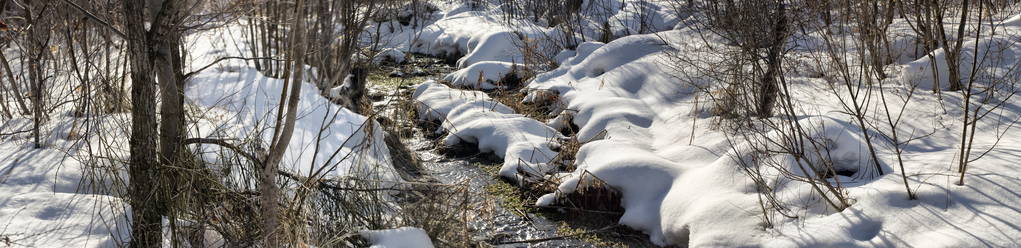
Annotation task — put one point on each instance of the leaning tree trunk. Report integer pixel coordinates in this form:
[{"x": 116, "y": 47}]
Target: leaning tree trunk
[
  {"x": 283, "y": 131},
  {"x": 166, "y": 37}
]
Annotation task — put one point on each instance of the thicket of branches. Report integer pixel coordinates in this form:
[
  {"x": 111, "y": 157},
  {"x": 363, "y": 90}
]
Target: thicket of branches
[
  {"x": 118, "y": 70},
  {"x": 749, "y": 46}
]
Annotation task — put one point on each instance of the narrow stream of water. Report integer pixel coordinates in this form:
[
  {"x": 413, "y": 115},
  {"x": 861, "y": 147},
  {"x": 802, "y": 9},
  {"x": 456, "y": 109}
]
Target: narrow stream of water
[{"x": 504, "y": 224}]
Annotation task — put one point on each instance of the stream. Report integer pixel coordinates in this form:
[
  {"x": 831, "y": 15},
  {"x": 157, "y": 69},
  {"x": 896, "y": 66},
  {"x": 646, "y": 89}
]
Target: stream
[{"x": 505, "y": 224}]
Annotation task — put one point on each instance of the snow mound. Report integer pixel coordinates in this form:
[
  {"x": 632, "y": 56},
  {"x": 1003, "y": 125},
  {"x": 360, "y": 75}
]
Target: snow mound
[
  {"x": 404, "y": 237},
  {"x": 485, "y": 75},
  {"x": 501, "y": 46},
  {"x": 389, "y": 55},
  {"x": 522, "y": 142},
  {"x": 449, "y": 36},
  {"x": 989, "y": 69},
  {"x": 684, "y": 183},
  {"x": 640, "y": 16},
  {"x": 433, "y": 101},
  {"x": 469, "y": 35}
]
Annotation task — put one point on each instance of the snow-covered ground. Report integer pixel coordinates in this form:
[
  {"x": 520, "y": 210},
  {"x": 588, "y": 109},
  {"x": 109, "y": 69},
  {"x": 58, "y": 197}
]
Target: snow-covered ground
[
  {"x": 682, "y": 178},
  {"x": 643, "y": 121},
  {"x": 239, "y": 102},
  {"x": 49, "y": 198},
  {"x": 694, "y": 192},
  {"x": 404, "y": 237},
  {"x": 44, "y": 201}
]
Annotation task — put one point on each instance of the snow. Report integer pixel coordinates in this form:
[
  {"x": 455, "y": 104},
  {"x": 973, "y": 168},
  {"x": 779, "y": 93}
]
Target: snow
[
  {"x": 471, "y": 117},
  {"x": 628, "y": 17},
  {"x": 434, "y": 101},
  {"x": 923, "y": 73},
  {"x": 48, "y": 198},
  {"x": 41, "y": 203},
  {"x": 484, "y": 75},
  {"x": 242, "y": 102},
  {"x": 473, "y": 35},
  {"x": 503, "y": 46},
  {"x": 682, "y": 181},
  {"x": 681, "y": 176},
  {"x": 404, "y": 237},
  {"x": 389, "y": 55},
  {"x": 636, "y": 120}
]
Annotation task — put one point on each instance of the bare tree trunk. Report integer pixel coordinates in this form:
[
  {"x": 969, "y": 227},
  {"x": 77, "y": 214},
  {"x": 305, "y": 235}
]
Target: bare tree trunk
[
  {"x": 143, "y": 170},
  {"x": 168, "y": 66},
  {"x": 38, "y": 35},
  {"x": 954, "y": 52},
  {"x": 5, "y": 111},
  {"x": 769, "y": 90},
  {"x": 166, "y": 41},
  {"x": 283, "y": 130},
  {"x": 14, "y": 85}
]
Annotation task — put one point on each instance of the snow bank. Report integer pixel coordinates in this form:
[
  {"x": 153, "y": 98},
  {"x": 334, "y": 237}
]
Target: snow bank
[
  {"x": 455, "y": 29},
  {"x": 522, "y": 142},
  {"x": 994, "y": 54},
  {"x": 990, "y": 69},
  {"x": 632, "y": 115},
  {"x": 636, "y": 122},
  {"x": 404, "y": 237},
  {"x": 485, "y": 75},
  {"x": 244, "y": 103},
  {"x": 503, "y": 46},
  {"x": 450, "y": 36},
  {"x": 472, "y": 117},
  {"x": 433, "y": 101},
  {"x": 628, "y": 17},
  {"x": 389, "y": 55}
]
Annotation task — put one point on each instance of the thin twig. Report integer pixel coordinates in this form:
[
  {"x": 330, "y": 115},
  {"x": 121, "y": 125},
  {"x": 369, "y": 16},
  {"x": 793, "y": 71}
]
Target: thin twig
[{"x": 97, "y": 19}]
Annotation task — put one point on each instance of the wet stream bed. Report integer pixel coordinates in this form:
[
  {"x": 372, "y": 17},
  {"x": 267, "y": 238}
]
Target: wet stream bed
[{"x": 509, "y": 220}]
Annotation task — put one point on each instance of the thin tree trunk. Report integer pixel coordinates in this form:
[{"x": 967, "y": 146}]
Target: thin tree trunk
[
  {"x": 769, "y": 90},
  {"x": 38, "y": 36},
  {"x": 268, "y": 189},
  {"x": 18, "y": 96},
  {"x": 167, "y": 59},
  {"x": 954, "y": 53}
]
